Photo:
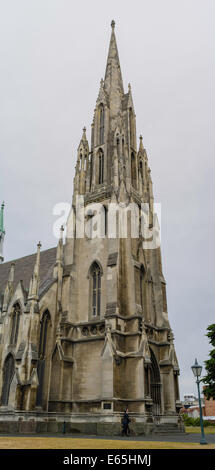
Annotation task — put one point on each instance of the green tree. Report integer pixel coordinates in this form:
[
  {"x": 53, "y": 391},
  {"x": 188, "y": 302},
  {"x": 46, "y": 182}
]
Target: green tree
[{"x": 209, "y": 379}]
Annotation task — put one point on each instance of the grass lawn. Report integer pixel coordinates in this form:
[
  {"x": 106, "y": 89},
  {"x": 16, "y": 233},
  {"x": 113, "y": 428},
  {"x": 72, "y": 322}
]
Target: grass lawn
[
  {"x": 67, "y": 443},
  {"x": 197, "y": 429}
]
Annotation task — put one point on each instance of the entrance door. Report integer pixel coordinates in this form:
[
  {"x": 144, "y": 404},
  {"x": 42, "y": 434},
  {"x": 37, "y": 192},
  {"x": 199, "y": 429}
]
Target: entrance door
[{"x": 155, "y": 385}]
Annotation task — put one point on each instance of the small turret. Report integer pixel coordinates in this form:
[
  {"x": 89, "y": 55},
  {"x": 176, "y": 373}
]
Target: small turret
[
  {"x": 82, "y": 165},
  {"x": 9, "y": 288},
  {"x": 59, "y": 255},
  {"x": 35, "y": 280}
]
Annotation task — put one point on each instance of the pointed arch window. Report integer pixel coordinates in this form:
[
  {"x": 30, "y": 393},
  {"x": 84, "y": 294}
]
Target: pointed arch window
[
  {"x": 85, "y": 162},
  {"x": 43, "y": 334},
  {"x": 45, "y": 324},
  {"x": 155, "y": 384},
  {"x": 118, "y": 145},
  {"x": 142, "y": 287},
  {"x": 8, "y": 373},
  {"x": 101, "y": 166},
  {"x": 131, "y": 127},
  {"x": 15, "y": 320},
  {"x": 123, "y": 147},
  {"x": 133, "y": 170},
  {"x": 95, "y": 286},
  {"x": 141, "y": 168},
  {"x": 101, "y": 124},
  {"x": 80, "y": 161}
]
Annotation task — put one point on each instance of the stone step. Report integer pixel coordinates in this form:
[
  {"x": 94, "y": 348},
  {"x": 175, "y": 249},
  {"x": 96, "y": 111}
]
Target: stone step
[{"x": 168, "y": 430}]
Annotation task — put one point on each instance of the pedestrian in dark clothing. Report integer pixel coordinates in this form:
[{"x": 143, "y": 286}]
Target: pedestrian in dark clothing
[{"x": 125, "y": 422}]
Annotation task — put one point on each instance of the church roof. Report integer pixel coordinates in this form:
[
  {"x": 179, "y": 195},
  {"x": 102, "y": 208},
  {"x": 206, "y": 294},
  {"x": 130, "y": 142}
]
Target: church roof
[{"x": 24, "y": 268}]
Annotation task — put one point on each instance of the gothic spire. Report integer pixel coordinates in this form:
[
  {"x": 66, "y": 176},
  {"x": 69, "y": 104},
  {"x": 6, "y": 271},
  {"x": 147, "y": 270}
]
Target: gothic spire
[
  {"x": 34, "y": 283},
  {"x": 113, "y": 77},
  {"x": 59, "y": 254}
]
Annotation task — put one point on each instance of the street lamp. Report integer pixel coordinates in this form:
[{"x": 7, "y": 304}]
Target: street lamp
[{"x": 197, "y": 370}]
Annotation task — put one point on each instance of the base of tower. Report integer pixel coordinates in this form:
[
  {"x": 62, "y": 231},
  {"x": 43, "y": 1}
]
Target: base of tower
[{"x": 22, "y": 422}]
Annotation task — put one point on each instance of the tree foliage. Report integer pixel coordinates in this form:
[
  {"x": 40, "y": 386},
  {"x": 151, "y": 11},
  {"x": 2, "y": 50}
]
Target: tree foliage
[{"x": 209, "y": 379}]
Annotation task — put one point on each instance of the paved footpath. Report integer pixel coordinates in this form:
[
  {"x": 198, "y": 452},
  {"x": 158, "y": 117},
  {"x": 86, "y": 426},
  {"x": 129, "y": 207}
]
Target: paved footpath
[{"x": 182, "y": 437}]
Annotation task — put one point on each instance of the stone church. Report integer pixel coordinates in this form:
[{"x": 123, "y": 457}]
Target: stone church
[{"x": 84, "y": 329}]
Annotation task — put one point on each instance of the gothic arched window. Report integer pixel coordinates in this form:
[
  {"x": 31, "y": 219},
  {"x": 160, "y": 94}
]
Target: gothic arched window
[
  {"x": 142, "y": 287},
  {"x": 43, "y": 334},
  {"x": 45, "y": 323},
  {"x": 123, "y": 147},
  {"x": 131, "y": 127},
  {"x": 141, "y": 168},
  {"x": 155, "y": 384},
  {"x": 85, "y": 162},
  {"x": 101, "y": 124},
  {"x": 133, "y": 170},
  {"x": 8, "y": 373},
  {"x": 95, "y": 287},
  {"x": 15, "y": 319},
  {"x": 101, "y": 166},
  {"x": 105, "y": 220},
  {"x": 118, "y": 146}
]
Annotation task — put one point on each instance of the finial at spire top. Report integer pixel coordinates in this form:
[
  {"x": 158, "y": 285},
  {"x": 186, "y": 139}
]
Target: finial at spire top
[
  {"x": 39, "y": 245},
  {"x": 113, "y": 24}
]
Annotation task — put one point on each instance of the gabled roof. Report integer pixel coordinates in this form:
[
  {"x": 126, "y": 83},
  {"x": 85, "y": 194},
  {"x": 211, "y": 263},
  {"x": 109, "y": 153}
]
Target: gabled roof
[{"x": 24, "y": 268}]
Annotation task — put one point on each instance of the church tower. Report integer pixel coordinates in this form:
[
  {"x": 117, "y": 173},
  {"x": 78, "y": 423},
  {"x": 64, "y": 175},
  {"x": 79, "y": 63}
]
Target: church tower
[
  {"x": 116, "y": 309},
  {"x": 84, "y": 329}
]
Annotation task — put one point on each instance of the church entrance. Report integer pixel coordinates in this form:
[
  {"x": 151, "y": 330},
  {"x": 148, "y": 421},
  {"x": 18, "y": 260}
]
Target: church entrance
[
  {"x": 8, "y": 373},
  {"x": 155, "y": 385}
]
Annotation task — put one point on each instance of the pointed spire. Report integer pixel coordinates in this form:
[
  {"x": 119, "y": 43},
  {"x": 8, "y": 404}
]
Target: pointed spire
[
  {"x": 37, "y": 264},
  {"x": 59, "y": 255},
  {"x": 34, "y": 282},
  {"x": 113, "y": 77},
  {"x": 84, "y": 137},
  {"x": 83, "y": 141},
  {"x": 11, "y": 273}
]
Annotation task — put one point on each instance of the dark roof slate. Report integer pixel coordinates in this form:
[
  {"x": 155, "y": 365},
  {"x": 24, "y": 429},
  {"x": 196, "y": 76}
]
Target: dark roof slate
[{"x": 24, "y": 269}]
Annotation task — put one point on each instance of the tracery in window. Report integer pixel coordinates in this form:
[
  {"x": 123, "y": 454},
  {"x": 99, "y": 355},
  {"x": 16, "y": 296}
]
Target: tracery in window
[{"x": 95, "y": 281}]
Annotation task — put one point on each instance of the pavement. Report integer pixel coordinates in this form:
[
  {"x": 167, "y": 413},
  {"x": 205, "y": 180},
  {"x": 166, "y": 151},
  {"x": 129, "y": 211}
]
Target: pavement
[{"x": 179, "y": 437}]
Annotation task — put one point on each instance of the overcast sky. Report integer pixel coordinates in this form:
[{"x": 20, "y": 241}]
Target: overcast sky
[{"x": 52, "y": 57}]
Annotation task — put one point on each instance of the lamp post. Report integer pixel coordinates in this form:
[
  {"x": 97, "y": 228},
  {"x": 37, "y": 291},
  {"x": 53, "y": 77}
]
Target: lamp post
[{"x": 197, "y": 370}]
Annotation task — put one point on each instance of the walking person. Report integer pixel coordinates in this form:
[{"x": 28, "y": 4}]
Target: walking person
[{"x": 125, "y": 422}]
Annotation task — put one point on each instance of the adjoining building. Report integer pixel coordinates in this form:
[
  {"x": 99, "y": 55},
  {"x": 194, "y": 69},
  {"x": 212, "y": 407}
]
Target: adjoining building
[
  {"x": 84, "y": 326},
  {"x": 191, "y": 407}
]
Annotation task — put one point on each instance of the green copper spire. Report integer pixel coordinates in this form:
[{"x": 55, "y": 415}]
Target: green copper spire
[{"x": 2, "y": 219}]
